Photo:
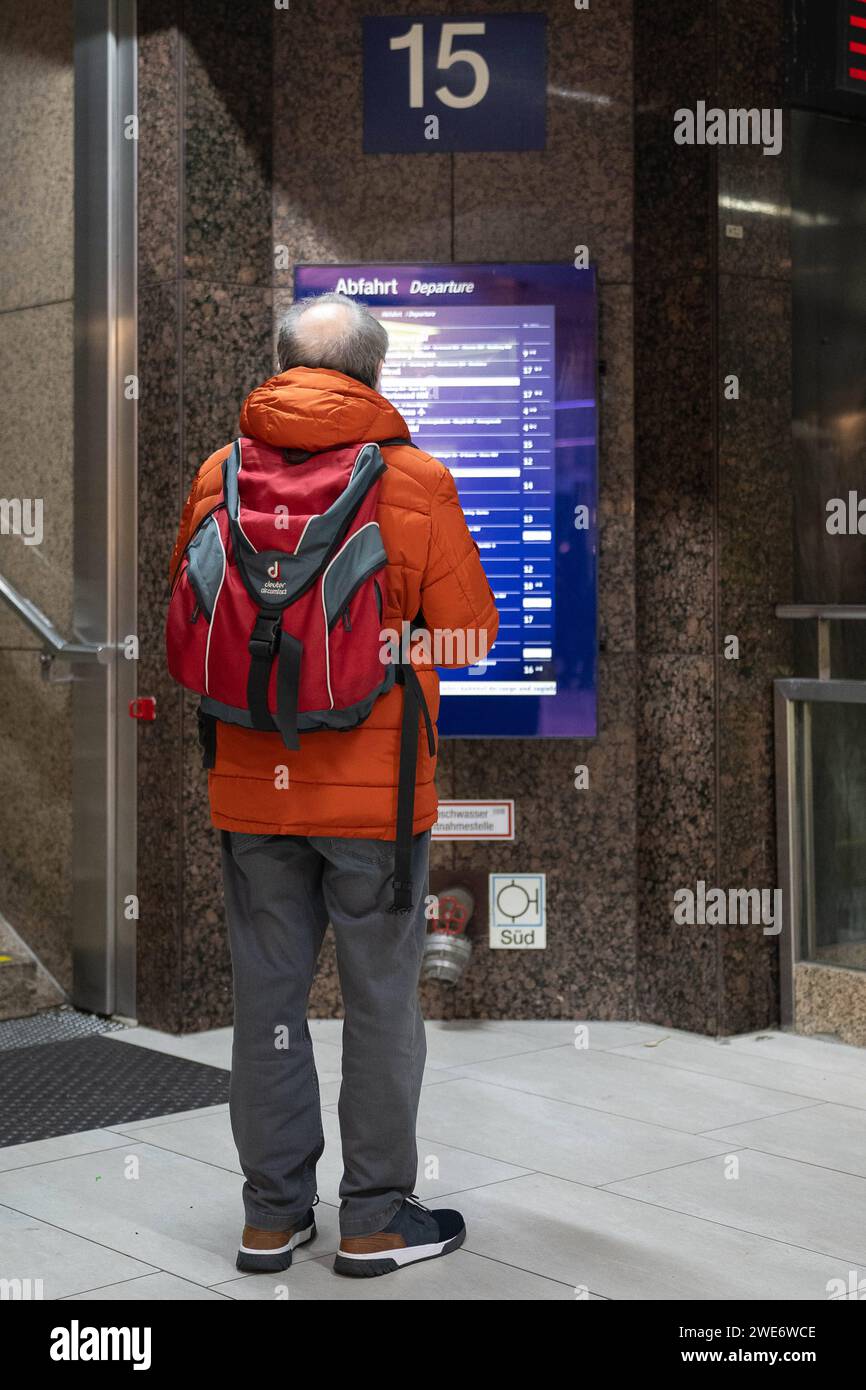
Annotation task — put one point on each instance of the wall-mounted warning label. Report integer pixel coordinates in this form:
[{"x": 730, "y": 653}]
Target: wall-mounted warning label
[
  {"x": 518, "y": 912},
  {"x": 475, "y": 820}
]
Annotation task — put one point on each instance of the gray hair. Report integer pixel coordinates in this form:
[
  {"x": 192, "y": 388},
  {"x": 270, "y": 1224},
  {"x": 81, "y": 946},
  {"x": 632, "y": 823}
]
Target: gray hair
[{"x": 353, "y": 342}]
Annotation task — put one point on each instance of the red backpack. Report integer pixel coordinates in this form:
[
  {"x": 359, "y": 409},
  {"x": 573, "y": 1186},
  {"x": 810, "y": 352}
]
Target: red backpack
[{"x": 276, "y": 609}]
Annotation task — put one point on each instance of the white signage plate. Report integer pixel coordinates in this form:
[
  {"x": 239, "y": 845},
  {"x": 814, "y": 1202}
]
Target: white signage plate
[
  {"x": 475, "y": 820},
  {"x": 518, "y": 912}
]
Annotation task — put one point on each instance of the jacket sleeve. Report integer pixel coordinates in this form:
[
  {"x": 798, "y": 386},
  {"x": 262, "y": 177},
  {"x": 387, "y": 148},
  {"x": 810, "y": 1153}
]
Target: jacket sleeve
[
  {"x": 455, "y": 595},
  {"x": 203, "y": 496}
]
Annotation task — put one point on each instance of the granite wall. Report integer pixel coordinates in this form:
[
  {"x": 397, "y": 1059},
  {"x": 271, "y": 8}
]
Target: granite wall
[
  {"x": 205, "y": 310},
  {"x": 332, "y": 205},
  {"x": 233, "y": 165},
  {"x": 712, "y": 504},
  {"x": 36, "y": 321}
]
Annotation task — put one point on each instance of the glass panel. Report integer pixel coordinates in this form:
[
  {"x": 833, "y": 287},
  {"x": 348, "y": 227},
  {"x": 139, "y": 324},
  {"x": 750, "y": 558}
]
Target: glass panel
[{"x": 833, "y": 801}]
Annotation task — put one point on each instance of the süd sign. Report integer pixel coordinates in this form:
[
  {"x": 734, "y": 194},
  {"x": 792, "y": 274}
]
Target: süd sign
[{"x": 518, "y": 912}]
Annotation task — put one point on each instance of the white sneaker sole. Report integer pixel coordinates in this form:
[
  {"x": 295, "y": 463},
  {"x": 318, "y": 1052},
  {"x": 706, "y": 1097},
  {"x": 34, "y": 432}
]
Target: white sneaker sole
[
  {"x": 388, "y": 1261},
  {"x": 251, "y": 1260}
]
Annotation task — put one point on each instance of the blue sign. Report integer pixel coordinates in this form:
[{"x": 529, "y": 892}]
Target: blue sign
[
  {"x": 493, "y": 368},
  {"x": 440, "y": 82}
]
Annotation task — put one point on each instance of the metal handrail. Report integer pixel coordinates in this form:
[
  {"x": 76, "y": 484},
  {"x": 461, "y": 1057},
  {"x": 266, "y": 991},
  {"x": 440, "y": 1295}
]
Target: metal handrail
[
  {"x": 54, "y": 644},
  {"x": 824, "y": 614}
]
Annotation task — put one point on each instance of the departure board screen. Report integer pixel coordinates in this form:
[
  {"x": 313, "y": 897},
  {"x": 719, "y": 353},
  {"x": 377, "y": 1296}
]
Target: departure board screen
[{"x": 493, "y": 368}]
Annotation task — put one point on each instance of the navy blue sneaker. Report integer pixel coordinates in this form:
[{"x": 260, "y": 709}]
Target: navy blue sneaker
[
  {"x": 266, "y": 1252},
  {"x": 414, "y": 1233}
]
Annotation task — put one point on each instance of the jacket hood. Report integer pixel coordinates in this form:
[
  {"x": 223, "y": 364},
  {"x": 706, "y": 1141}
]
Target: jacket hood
[{"x": 313, "y": 408}]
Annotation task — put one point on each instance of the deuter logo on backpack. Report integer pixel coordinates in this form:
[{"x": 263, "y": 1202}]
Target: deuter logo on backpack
[{"x": 274, "y": 588}]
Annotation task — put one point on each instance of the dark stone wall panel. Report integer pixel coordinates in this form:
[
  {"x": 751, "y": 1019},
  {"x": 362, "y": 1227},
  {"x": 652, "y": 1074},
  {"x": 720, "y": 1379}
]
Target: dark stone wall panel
[
  {"x": 616, "y": 514},
  {"x": 159, "y": 140},
  {"x": 227, "y": 351},
  {"x": 713, "y": 527},
  {"x": 753, "y": 188},
  {"x": 673, "y": 198},
  {"x": 755, "y": 573},
  {"x": 674, "y": 466},
  {"x": 539, "y": 207},
  {"x": 161, "y": 824},
  {"x": 676, "y": 964},
  {"x": 578, "y": 191},
  {"x": 227, "y": 141},
  {"x": 330, "y": 201},
  {"x": 583, "y": 840}
]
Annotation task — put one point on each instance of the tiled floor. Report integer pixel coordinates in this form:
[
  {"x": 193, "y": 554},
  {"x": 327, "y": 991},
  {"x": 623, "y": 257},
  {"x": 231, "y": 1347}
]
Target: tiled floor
[{"x": 648, "y": 1165}]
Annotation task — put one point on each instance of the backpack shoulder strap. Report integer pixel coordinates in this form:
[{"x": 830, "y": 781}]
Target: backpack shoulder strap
[
  {"x": 231, "y": 466},
  {"x": 383, "y": 443},
  {"x": 414, "y": 704}
]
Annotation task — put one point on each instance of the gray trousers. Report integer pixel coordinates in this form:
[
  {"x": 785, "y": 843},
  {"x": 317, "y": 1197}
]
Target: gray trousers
[{"x": 280, "y": 893}]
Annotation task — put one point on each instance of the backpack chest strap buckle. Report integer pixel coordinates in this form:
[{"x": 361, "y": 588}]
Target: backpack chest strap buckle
[{"x": 265, "y": 636}]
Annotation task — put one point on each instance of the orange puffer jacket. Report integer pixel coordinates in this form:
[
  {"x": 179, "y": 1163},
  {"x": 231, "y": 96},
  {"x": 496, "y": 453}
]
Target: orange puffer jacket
[{"x": 346, "y": 783}]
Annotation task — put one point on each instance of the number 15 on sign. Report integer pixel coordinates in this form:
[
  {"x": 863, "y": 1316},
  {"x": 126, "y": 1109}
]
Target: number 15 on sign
[{"x": 435, "y": 84}]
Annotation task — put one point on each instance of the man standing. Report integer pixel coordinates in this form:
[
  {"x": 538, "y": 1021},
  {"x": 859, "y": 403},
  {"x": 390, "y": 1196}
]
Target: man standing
[{"x": 318, "y": 845}]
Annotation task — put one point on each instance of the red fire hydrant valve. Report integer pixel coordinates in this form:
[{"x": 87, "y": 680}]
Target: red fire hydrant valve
[{"x": 144, "y": 707}]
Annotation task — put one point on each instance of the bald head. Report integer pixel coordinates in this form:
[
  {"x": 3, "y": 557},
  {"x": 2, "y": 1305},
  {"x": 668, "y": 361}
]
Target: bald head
[{"x": 336, "y": 332}]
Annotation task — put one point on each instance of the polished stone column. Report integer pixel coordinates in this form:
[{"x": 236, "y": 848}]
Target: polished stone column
[
  {"x": 205, "y": 322},
  {"x": 713, "y": 519}
]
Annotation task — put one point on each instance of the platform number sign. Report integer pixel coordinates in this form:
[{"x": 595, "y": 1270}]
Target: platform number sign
[{"x": 439, "y": 83}]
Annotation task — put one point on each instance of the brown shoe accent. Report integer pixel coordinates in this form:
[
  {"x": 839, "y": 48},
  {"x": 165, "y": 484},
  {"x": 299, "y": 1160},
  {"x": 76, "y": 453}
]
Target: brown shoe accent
[
  {"x": 371, "y": 1245},
  {"x": 255, "y": 1239}
]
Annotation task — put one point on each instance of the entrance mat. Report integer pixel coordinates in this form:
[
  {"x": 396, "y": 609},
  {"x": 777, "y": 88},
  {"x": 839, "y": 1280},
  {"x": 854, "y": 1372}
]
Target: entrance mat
[
  {"x": 54, "y": 1025},
  {"x": 65, "y": 1087}
]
